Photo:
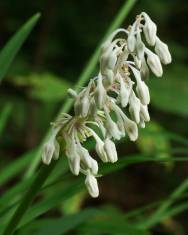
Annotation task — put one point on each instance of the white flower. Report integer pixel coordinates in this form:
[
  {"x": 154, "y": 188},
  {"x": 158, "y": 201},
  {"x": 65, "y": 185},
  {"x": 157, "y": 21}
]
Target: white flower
[
  {"x": 108, "y": 76},
  {"x": 99, "y": 147},
  {"x": 100, "y": 151},
  {"x": 134, "y": 107},
  {"x": 144, "y": 113},
  {"x": 93, "y": 108},
  {"x": 110, "y": 149},
  {"x": 51, "y": 148},
  {"x": 48, "y": 151},
  {"x": 143, "y": 92},
  {"x": 92, "y": 185},
  {"x": 100, "y": 93},
  {"x": 85, "y": 157},
  {"x": 108, "y": 60},
  {"x": 73, "y": 157},
  {"x": 150, "y": 30},
  {"x": 131, "y": 42},
  {"x": 163, "y": 52},
  {"x": 131, "y": 129},
  {"x": 144, "y": 71},
  {"x": 84, "y": 106},
  {"x": 137, "y": 62},
  {"x": 129, "y": 126},
  {"x": 125, "y": 90},
  {"x": 140, "y": 47},
  {"x": 57, "y": 150},
  {"x": 94, "y": 166},
  {"x": 111, "y": 127},
  {"x": 74, "y": 163},
  {"x": 101, "y": 107},
  {"x": 72, "y": 93},
  {"x": 141, "y": 88},
  {"x": 154, "y": 63}
]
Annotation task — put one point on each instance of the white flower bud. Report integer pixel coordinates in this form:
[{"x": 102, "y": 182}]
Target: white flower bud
[
  {"x": 94, "y": 167},
  {"x": 72, "y": 93},
  {"x": 144, "y": 71},
  {"x": 85, "y": 104},
  {"x": 74, "y": 164},
  {"x": 100, "y": 151},
  {"x": 131, "y": 129},
  {"x": 73, "y": 157},
  {"x": 92, "y": 185},
  {"x": 142, "y": 123},
  {"x": 108, "y": 59},
  {"x": 140, "y": 48},
  {"x": 124, "y": 91},
  {"x": 131, "y": 42},
  {"x": 57, "y": 150},
  {"x": 163, "y": 52},
  {"x": 150, "y": 30},
  {"x": 100, "y": 93},
  {"x": 154, "y": 63},
  {"x": 112, "y": 59},
  {"x": 93, "y": 108},
  {"x": 137, "y": 62},
  {"x": 99, "y": 147},
  {"x": 77, "y": 106},
  {"x": 129, "y": 126},
  {"x": 48, "y": 151},
  {"x": 134, "y": 107},
  {"x": 144, "y": 114},
  {"x": 111, "y": 127},
  {"x": 110, "y": 149},
  {"x": 108, "y": 76},
  {"x": 85, "y": 157},
  {"x": 143, "y": 92}
]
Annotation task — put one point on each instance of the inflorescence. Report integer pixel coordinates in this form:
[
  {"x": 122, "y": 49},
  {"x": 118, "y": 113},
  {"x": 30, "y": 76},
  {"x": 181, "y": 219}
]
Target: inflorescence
[{"x": 113, "y": 104}]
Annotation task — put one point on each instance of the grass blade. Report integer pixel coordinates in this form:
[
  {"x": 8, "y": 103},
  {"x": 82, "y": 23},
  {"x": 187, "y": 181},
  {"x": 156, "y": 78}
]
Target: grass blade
[
  {"x": 4, "y": 117},
  {"x": 11, "y": 48}
]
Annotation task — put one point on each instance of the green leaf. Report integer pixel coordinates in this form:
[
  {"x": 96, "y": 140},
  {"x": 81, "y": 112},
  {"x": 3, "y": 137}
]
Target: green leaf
[
  {"x": 66, "y": 224},
  {"x": 171, "y": 93},
  {"x": 11, "y": 48},
  {"x": 156, "y": 142},
  {"x": 15, "y": 167},
  {"x": 109, "y": 221},
  {"x": 4, "y": 115},
  {"x": 43, "y": 86},
  {"x": 164, "y": 207}
]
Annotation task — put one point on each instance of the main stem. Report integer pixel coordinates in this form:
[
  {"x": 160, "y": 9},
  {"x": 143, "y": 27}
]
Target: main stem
[{"x": 45, "y": 171}]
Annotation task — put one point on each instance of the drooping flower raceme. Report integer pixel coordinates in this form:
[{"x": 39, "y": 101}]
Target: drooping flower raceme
[{"x": 113, "y": 104}]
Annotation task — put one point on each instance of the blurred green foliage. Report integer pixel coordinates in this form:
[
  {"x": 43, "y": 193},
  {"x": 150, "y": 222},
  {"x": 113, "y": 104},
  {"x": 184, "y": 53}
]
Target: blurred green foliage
[{"x": 34, "y": 89}]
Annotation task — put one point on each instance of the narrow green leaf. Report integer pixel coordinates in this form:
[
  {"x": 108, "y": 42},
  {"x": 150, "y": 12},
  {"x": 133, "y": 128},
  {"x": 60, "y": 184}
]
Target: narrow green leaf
[
  {"x": 67, "y": 223},
  {"x": 164, "y": 207},
  {"x": 15, "y": 167},
  {"x": 4, "y": 115},
  {"x": 11, "y": 48}
]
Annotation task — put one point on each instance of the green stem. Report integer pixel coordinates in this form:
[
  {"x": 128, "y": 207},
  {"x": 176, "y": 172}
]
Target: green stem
[
  {"x": 85, "y": 75},
  {"x": 45, "y": 171}
]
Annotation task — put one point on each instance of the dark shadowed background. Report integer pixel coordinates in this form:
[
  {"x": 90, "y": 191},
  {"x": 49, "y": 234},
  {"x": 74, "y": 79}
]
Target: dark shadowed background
[{"x": 50, "y": 62}]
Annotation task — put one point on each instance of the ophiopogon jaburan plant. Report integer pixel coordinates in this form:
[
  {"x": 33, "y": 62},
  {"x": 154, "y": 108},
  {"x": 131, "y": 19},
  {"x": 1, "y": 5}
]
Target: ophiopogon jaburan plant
[{"x": 114, "y": 103}]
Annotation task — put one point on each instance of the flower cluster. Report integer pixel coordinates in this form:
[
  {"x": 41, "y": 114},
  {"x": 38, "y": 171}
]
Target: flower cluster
[{"x": 114, "y": 103}]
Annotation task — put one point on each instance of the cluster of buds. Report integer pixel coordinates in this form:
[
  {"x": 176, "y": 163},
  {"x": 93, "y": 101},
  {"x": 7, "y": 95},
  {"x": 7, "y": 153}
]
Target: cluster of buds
[{"x": 114, "y": 103}]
